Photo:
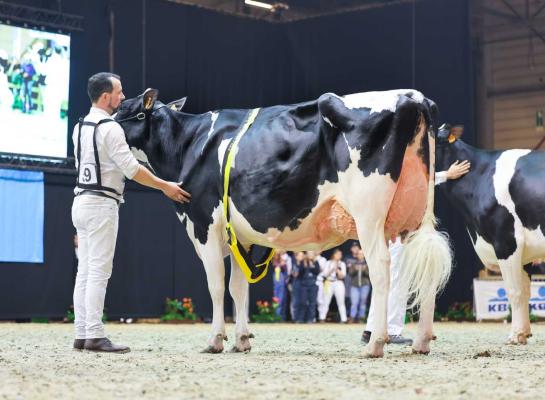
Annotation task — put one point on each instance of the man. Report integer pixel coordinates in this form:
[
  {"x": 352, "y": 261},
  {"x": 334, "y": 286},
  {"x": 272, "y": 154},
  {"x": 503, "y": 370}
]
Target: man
[
  {"x": 397, "y": 301},
  {"x": 104, "y": 160}
]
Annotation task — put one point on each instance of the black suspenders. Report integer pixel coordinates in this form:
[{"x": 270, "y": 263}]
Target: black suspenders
[{"x": 87, "y": 173}]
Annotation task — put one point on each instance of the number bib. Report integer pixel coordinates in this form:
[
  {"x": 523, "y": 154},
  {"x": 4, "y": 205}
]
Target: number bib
[{"x": 88, "y": 174}]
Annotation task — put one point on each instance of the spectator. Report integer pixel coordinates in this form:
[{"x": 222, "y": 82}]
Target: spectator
[
  {"x": 332, "y": 277},
  {"x": 349, "y": 261},
  {"x": 280, "y": 278},
  {"x": 304, "y": 287},
  {"x": 358, "y": 271}
]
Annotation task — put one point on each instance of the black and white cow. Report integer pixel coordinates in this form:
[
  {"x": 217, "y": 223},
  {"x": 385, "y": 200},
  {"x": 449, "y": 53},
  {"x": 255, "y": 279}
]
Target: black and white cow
[
  {"x": 306, "y": 176},
  {"x": 502, "y": 200}
]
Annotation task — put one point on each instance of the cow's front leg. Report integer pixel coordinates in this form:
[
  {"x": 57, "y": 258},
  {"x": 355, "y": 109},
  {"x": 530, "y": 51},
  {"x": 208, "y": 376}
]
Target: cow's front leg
[
  {"x": 378, "y": 259},
  {"x": 421, "y": 343},
  {"x": 212, "y": 257},
  {"x": 517, "y": 284},
  {"x": 238, "y": 286}
]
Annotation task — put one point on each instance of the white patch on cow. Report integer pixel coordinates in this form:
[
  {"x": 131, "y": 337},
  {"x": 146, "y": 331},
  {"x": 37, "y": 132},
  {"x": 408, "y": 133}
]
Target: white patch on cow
[
  {"x": 485, "y": 251},
  {"x": 534, "y": 245},
  {"x": 328, "y": 121},
  {"x": 222, "y": 149},
  {"x": 214, "y": 117},
  {"x": 505, "y": 169},
  {"x": 379, "y": 101},
  {"x": 139, "y": 155}
]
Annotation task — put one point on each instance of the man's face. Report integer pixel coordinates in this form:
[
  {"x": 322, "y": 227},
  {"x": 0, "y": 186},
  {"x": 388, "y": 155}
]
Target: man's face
[{"x": 116, "y": 96}]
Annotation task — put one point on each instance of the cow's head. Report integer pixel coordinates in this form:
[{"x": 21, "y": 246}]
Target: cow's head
[
  {"x": 448, "y": 145},
  {"x": 139, "y": 114},
  {"x": 148, "y": 123}
]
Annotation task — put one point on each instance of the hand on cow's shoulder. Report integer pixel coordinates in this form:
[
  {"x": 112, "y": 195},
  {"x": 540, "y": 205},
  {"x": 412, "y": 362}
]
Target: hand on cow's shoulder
[
  {"x": 458, "y": 169},
  {"x": 175, "y": 192}
]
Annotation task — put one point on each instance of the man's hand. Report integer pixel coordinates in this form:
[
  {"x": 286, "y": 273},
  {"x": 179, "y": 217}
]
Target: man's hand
[
  {"x": 174, "y": 192},
  {"x": 458, "y": 169}
]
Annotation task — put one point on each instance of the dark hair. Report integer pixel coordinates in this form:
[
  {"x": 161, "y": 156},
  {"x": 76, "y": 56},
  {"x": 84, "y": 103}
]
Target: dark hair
[{"x": 100, "y": 83}]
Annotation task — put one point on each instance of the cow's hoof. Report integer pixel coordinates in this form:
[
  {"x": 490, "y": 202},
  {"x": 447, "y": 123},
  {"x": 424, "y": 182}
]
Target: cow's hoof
[
  {"x": 518, "y": 339},
  {"x": 423, "y": 352},
  {"x": 216, "y": 344},
  {"x": 236, "y": 349},
  {"x": 375, "y": 350},
  {"x": 211, "y": 350},
  {"x": 242, "y": 344}
]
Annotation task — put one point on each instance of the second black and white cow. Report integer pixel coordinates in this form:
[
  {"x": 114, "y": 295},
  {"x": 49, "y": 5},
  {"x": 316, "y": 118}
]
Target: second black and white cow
[
  {"x": 306, "y": 176},
  {"x": 502, "y": 200}
]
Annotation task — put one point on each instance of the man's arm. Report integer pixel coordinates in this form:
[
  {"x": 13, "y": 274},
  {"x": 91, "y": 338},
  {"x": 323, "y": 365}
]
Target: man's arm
[
  {"x": 171, "y": 189},
  {"x": 119, "y": 152},
  {"x": 455, "y": 171}
]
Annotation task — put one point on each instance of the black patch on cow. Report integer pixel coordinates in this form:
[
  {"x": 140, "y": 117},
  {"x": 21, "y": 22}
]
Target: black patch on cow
[
  {"x": 473, "y": 195},
  {"x": 527, "y": 189}
]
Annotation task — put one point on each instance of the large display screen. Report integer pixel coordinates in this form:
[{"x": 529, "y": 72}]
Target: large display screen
[{"x": 34, "y": 78}]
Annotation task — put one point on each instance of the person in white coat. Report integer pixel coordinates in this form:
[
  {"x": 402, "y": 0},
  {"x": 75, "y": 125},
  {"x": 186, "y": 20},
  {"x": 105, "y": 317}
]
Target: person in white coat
[{"x": 332, "y": 283}]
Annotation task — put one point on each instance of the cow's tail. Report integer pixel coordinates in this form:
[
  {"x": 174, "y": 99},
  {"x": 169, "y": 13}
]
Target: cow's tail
[{"x": 426, "y": 260}]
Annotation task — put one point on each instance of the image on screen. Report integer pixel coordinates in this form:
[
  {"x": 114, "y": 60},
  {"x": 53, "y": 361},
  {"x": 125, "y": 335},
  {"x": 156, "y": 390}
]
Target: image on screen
[{"x": 34, "y": 77}]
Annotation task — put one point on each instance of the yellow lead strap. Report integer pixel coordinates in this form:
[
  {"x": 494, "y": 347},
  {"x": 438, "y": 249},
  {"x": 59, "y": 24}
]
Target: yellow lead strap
[{"x": 253, "y": 272}]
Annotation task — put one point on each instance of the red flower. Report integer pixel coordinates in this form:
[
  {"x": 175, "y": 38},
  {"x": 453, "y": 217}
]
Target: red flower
[{"x": 275, "y": 300}]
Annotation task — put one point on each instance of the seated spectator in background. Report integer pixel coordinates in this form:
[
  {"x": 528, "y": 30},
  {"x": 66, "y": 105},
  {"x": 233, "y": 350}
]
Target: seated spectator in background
[
  {"x": 280, "y": 288},
  {"x": 304, "y": 287},
  {"x": 332, "y": 284},
  {"x": 358, "y": 271}
]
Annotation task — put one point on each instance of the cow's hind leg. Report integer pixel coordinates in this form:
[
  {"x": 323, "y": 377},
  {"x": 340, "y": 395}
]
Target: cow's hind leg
[
  {"x": 238, "y": 286},
  {"x": 378, "y": 259},
  {"x": 212, "y": 257},
  {"x": 517, "y": 283}
]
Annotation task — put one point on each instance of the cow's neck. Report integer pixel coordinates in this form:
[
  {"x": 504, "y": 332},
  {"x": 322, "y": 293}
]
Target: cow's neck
[
  {"x": 463, "y": 193},
  {"x": 168, "y": 145}
]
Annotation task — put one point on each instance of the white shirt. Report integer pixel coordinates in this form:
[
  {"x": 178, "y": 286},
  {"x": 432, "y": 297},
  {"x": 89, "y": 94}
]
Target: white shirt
[
  {"x": 330, "y": 270},
  {"x": 440, "y": 177},
  {"x": 116, "y": 159}
]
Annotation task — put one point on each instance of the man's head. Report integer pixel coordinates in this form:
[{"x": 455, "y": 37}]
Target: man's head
[{"x": 105, "y": 91}]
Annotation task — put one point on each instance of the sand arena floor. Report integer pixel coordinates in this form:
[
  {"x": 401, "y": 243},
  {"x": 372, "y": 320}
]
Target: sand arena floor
[{"x": 469, "y": 361}]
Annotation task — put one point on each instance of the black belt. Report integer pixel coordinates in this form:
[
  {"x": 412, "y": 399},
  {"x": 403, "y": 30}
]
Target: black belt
[{"x": 93, "y": 193}]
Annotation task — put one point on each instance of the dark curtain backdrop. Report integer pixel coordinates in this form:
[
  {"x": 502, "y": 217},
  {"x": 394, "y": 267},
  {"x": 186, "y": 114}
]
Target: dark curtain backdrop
[{"x": 221, "y": 61}]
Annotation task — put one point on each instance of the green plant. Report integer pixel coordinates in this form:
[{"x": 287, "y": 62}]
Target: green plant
[
  {"x": 460, "y": 312},
  {"x": 176, "y": 310},
  {"x": 266, "y": 312}
]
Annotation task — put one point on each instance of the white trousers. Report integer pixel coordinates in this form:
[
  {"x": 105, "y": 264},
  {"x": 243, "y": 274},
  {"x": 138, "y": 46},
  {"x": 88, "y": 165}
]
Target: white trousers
[
  {"x": 397, "y": 301},
  {"x": 96, "y": 221},
  {"x": 326, "y": 290}
]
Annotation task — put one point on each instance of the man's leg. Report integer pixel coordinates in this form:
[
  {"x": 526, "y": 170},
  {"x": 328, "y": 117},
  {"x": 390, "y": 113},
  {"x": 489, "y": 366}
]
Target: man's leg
[
  {"x": 81, "y": 277},
  {"x": 327, "y": 295},
  {"x": 397, "y": 300},
  {"x": 102, "y": 224},
  {"x": 339, "y": 296},
  {"x": 363, "y": 293},
  {"x": 354, "y": 302}
]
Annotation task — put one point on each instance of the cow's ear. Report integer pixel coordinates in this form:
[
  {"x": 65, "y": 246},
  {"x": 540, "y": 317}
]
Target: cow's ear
[
  {"x": 149, "y": 97},
  {"x": 335, "y": 112},
  {"x": 177, "y": 105},
  {"x": 456, "y": 133}
]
